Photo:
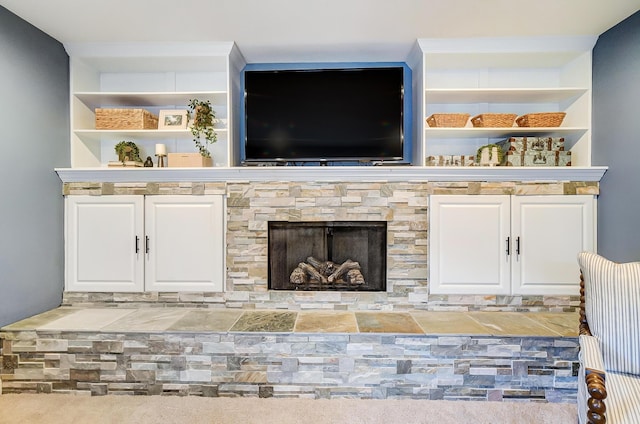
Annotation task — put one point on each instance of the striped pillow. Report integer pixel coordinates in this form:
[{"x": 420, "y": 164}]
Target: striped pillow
[{"x": 612, "y": 305}]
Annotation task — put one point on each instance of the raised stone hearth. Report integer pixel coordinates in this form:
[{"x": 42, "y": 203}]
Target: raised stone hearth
[{"x": 312, "y": 354}]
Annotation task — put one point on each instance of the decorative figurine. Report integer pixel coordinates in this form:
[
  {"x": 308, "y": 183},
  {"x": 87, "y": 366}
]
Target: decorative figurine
[{"x": 148, "y": 163}]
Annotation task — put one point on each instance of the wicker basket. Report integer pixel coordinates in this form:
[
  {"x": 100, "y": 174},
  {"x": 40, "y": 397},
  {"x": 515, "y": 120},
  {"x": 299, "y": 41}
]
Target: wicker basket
[
  {"x": 125, "y": 119},
  {"x": 545, "y": 119},
  {"x": 494, "y": 120},
  {"x": 456, "y": 120}
]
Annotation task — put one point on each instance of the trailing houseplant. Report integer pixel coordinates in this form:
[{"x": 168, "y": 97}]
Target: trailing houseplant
[
  {"x": 201, "y": 116},
  {"x": 127, "y": 150}
]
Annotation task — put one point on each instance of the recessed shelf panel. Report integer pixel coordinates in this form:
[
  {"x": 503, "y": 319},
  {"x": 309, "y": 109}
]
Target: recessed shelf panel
[
  {"x": 506, "y": 95},
  {"x": 138, "y": 134},
  {"x": 131, "y": 99}
]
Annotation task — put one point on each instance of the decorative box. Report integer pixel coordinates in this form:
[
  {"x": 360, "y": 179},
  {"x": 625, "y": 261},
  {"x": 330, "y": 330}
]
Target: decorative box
[
  {"x": 541, "y": 158},
  {"x": 188, "y": 160},
  {"x": 125, "y": 119},
  {"x": 527, "y": 144},
  {"x": 451, "y": 160},
  {"x": 125, "y": 164}
]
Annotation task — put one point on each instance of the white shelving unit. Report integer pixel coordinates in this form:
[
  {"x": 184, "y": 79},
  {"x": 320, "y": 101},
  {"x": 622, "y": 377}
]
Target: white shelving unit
[
  {"x": 515, "y": 75},
  {"x": 154, "y": 77},
  {"x": 520, "y": 76}
]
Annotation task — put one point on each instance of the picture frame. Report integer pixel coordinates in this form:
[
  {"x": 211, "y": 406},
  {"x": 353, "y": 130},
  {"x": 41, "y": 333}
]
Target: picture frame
[{"x": 172, "y": 119}]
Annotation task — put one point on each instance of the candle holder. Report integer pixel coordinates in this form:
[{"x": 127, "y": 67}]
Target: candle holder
[
  {"x": 161, "y": 160},
  {"x": 161, "y": 152}
]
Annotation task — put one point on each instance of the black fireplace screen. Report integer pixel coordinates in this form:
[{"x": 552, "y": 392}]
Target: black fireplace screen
[{"x": 336, "y": 255}]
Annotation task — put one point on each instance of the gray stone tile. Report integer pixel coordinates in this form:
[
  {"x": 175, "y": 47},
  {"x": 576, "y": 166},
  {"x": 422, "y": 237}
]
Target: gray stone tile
[
  {"x": 510, "y": 324},
  {"x": 445, "y": 322},
  {"x": 206, "y": 321},
  {"x": 147, "y": 319},
  {"x": 36, "y": 321},
  {"x": 387, "y": 322},
  {"x": 268, "y": 321},
  {"x": 90, "y": 319},
  {"x": 326, "y": 322}
]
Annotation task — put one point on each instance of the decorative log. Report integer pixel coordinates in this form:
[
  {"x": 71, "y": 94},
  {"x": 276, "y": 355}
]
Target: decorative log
[
  {"x": 298, "y": 276},
  {"x": 343, "y": 269},
  {"x": 325, "y": 268},
  {"x": 314, "y": 262},
  {"x": 312, "y": 272},
  {"x": 355, "y": 277}
]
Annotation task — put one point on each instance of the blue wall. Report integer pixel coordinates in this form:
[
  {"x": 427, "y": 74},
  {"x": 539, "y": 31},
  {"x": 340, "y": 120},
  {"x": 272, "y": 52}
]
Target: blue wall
[
  {"x": 616, "y": 138},
  {"x": 34, "y": 139}
]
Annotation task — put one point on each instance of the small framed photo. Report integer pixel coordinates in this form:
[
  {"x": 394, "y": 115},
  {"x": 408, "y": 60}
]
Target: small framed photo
[{"x": 172, "y": 120}]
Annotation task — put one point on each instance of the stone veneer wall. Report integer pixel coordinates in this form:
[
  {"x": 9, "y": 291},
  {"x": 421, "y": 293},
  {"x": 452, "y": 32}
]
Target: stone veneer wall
[
  {"x": 365, "y": 366},
  {"x": 404, "y": 205}
]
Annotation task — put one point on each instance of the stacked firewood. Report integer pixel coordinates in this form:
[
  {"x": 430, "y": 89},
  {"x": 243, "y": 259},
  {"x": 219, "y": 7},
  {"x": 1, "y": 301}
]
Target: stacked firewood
[{"x": 317, "y": 272}]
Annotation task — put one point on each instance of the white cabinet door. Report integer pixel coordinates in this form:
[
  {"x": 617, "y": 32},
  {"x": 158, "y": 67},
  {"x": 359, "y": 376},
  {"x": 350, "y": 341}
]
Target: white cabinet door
[
  {"x": 185, "y": 243},
  {"x": 103, "y": 236},
  {"x": 468, "y": 244},
  {"x": 549, "y": 232},
  {"x": 519, "y": 245}
]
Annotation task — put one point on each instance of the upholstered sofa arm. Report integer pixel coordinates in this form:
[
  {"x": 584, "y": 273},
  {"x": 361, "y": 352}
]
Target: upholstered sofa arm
[
  {"x": 593, "y": 381},
  {"x": 591, "y": 355}
]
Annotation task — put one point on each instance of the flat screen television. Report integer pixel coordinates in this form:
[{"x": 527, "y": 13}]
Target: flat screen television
[{"x": 328, "y": 114}]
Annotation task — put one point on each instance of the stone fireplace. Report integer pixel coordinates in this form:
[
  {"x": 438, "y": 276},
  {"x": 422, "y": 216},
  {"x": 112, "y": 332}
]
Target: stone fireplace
[
  {"x": 333, "y": 255},
  {"x": 402, "y": 206}
]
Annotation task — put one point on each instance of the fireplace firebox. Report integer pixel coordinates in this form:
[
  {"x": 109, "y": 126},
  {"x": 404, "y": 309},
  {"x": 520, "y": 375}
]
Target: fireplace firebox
[{"x": 333, "y": 255}]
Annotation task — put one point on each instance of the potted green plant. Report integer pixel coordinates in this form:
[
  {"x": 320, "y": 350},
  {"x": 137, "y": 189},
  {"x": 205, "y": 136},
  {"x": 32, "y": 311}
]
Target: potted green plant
[
  {"x": 201, "y": 116},
  {"x": 128, "y": 151}
]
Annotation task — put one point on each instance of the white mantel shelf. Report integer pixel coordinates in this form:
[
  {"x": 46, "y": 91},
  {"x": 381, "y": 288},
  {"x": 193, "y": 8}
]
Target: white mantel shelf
[{"x": 331, "y": 173}]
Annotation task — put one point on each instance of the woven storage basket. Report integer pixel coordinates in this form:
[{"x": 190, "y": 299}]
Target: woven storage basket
[
  {"x": 456, "y": 120},
  {"x": 494, "y": 120},
  {"x": 545, "y": 119},
  {"x": 125, "y": 119}
]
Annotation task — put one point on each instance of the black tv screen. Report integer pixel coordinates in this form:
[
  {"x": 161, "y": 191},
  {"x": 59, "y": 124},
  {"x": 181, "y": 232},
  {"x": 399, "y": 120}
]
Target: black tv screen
[{"x": 343, "y": 114}]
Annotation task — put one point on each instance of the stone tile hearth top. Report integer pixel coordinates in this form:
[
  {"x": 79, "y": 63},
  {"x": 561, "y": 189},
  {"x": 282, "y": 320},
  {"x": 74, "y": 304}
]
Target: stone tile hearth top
[{"x": 148, "y": 319}]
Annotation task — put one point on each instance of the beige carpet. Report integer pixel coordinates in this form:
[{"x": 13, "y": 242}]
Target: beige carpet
[{"x": 69, "y": 409}]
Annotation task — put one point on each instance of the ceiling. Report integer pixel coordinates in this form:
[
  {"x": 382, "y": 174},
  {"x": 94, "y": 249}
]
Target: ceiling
[{"x": 320, "y": 30}]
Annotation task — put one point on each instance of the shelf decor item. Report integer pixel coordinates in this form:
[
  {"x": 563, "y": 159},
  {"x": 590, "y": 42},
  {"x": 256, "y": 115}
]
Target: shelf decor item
[
  {"x": 161, "y": 152},
  {"x": 451, "y": 120},
  {"x": 128, "y": 151},
  {"x": 540, "y": 158},
  {"x": 451, "y": 160},
  {"x": 535, "y": 144},
  {"x": 543, "y": 119},
  {"x": 494, "y": 120},
  {"x": 173, "y": 120},
  {"x": 125, "y": 119},
  {"x": 189, "y": 160},
  {"x": 489, "y": 155},
  {"x": 201, "y": 116}
]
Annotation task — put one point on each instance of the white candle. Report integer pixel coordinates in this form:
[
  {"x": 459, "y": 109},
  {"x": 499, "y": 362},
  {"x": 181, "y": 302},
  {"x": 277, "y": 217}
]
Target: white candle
[
  {"x": 494, "y": 156},
  {"x": 161, "y": 150},
  {"x": 484, "y": 156}
]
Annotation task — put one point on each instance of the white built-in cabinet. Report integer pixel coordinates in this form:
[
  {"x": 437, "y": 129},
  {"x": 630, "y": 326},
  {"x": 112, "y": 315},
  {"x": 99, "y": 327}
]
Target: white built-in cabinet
[
  {"x": 503, "y": 75},
  {"x": 154, "y": 77},
  {"x": 144, "y": 243},
  {"x": 511, "y": 245}
]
